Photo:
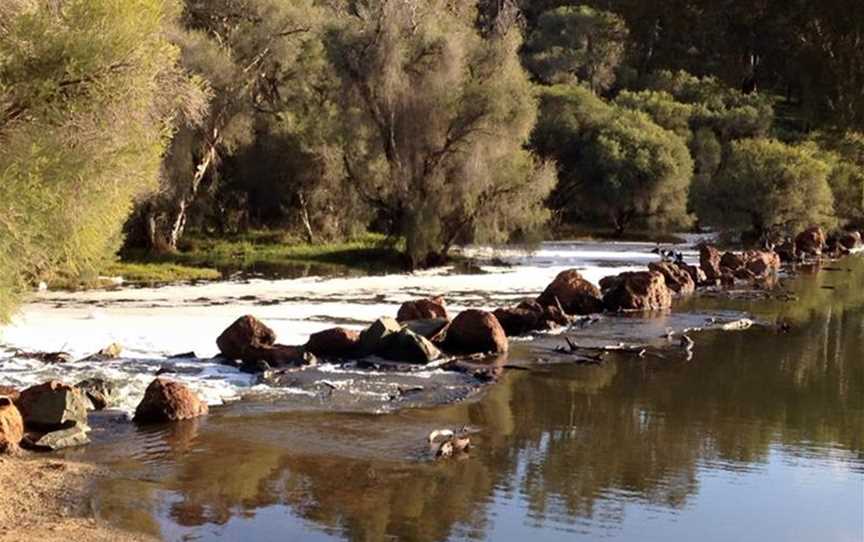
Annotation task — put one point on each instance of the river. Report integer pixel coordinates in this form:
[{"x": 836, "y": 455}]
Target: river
[{"x": 760, "y": 436}]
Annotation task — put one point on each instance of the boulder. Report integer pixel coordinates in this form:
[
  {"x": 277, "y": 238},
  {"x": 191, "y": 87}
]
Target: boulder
[
  {"x": 167, "y": 401},
  {"x": 744, "y": 274},
  {"x": 10, "y": 392},
  {"x": 112, "y": 351},
  {"x": 709, "y": 261},
  {"x": 475, "y": 331},
  {"x": 246, "y": 333},
  {"x": 787, "y": 252},
  {"x": 732, "y": 261},
  {"x": 263, "y": 358},
  {"x": 810, "y": 241},
  {"x": 761, "y": 262},
  {"x": 677, "y": 279},
  {"x": 529, "y": 316},
  {"x": 432, "y": 328},
  {"x": 696, "y": 274},
  {"x": 375, "y": 337},
  {"x": 575, "y": 294},
  {"x": 101, "y": 393},
  {"x": 610, "y": 282},
  {"x": 422, "y": 309},
  {"x": 334, "y": 343},
  {"x": 68, "y": 437},
  {"x": 851, "y": 240},
  {"x": 410, "y": 347},
  {"x": 727, "y": 280},
  {"x": 52, "y": 405},
  {"x": 11, "y": 425},
  {"x": 638, "y": 291}
]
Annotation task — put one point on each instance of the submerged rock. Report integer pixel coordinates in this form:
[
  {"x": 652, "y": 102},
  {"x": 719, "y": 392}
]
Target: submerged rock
[
  {"x": 168, "y": 401},
  {"x": 245, "y": 334},
  {"x": 334, "y": 343},
  {"x": 101, "y": 393},
  {"x": 638, "y": 291},
  {"x": 11, "y": 425},
  {"x": 68, "y": 437},
  {"x": 677, "y": 279},
  {"x": 276, "y": 356},
  {"x": 422, "y": 309},
  {"x": 810, "y": 241},
  {"x": 52, "y": 405},
  {"x": 575, "y": 294},
  {"x": 475, "y": 331}
]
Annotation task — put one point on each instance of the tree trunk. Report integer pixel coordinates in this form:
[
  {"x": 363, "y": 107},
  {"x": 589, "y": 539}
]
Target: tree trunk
[{"x": 304, "y": 215}]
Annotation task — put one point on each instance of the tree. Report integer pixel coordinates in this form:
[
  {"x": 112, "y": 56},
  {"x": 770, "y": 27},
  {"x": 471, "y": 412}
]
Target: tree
[
  {"x": 844, "y": 152},
  {"x": 88, "y": 89},
  {"x": 577, "y": 44},
  {"x": 434, "y": 118},
  {"x": 768, "y": 187},
  {"x": 616, "y": 164}
]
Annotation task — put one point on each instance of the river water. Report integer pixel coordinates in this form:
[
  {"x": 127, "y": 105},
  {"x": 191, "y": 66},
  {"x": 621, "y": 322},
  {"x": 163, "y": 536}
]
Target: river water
[{"x": 760, "y": 436}]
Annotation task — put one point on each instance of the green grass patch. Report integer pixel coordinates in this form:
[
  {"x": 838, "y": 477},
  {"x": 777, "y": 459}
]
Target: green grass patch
[{"x": 159, "y": 272}]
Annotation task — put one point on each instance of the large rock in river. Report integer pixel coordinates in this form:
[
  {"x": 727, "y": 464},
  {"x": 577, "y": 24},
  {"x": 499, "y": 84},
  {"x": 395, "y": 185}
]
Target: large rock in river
[
  {"x": 529, "y": 316},
  {"x": 677, "y": 279},
  {"x": 575, "y": 294},
  {"x": 167, "y": 401},
  {"x": 850, "y": 240},
  {"x": 810, "y": 241},
  {"x": 11, "y": 425},
  {"x": 101, "y": 393},
  {"x": 245, "y": 334},
  {"x": 762, "y": 263},
  {"x": 52, "y": 405},
  {"x": 422, "y": 309},
  {"x": 376, "y": 337},
  {"x": 334, "y": 343},
  {"x": 709, "y": 260},
  {"x": 410, "y": 347},
  {"x": 638, "y": 291},
  {"x": 475, "y": 331}
]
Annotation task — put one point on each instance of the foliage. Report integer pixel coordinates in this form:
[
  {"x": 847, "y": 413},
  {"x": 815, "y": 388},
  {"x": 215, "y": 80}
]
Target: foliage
[
  {"x": 845, "y": 153},
  {"x": 616, "y": 164},
  {"x": 766, "y": 186},
  {"x": 87, "y": 88},
  {"x": 577, "y": 44}
]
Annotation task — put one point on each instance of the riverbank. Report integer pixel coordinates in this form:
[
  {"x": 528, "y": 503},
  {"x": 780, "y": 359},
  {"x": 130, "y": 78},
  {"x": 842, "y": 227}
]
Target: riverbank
[{"x": 51, "y": 500}]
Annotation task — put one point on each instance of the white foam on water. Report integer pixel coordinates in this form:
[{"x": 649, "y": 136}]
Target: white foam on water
[{"x": 153, "y": 323}]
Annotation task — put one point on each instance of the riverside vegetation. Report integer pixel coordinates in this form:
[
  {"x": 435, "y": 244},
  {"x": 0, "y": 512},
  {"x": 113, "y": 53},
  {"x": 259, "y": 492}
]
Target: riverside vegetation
[{"x": 429, "y": 123}]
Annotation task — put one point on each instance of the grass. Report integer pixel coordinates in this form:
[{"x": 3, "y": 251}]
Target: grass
[{"x": 267, "y": 253}]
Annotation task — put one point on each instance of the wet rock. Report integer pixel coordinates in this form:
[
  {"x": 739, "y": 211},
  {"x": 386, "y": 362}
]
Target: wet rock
[
  {"x": 810, "y": 241},
  {"x": 575, "y": 294},
  {"x": 276, "y": 356},
  {"x": 732, "y": 261},
  {"x": 101, "y": 393},
  {"x": 787, "y": 252},
  {"x": 374, "y": 338},
  {"x": 10, "y": 392},
  {"x": 762, "y": 263},
  {"x": 709, "y": 261},
  {"x": 246, "y": 333},
  {"x": 334, "y": 343},
  {"x": 68, "y": 437},
  {"x": 432, "y": 329},
  {"x": 47, "y": 357},
  {"x": 476, "y": 331},
  {"x": 529, "y": 316},
  {"x": 696, "y": 274},
  {"x": 851, "y": 240},
  {"x": 727, "y": 279},
  {"x": 167, "y": 401},
  {"x": 410, "y": 347},
  {"x": 112, "y": 351},
  {"x": 744, "y": 274},
  {"x": 677, "y": 279},
  {"x": 423, "y": 309},
  {"x": 52, "y": 405},
  {"x": 11, "y": 425},
  {"x": 638, "y": 291}
]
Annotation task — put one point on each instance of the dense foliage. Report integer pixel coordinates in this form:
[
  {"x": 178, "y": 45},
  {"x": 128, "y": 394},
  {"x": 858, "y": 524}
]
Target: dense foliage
[{"x": 432, "y": 122}]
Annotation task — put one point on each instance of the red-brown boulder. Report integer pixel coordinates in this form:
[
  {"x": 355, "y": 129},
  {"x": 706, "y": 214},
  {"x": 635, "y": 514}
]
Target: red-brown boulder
[
  {"x": 575, "y": 294},
  {"x": 11, "y": 425},
  {"x": 334, "y": 343},
  {"x": 732, "y": 261},
  {"x": 677, "y": 279},
  {"x": 696, "y": 274},
  {"x": 709, "y": 261},
  {"x": 246, "y": 333},
  {"x": 475, "y": 331},
  {"x": 638, "y": 291},
  {"x": 52, "y": 405},
  {"x": 422, "y": 309},
  {"x": 10, "y": 392},
  {"x": 168, "y": 401},
  {"x": 850, "y": 240},
  {"x": 810, "y": 241},
  {"x": 762, "y": 263},
  {"x": 277, "y": 356}
]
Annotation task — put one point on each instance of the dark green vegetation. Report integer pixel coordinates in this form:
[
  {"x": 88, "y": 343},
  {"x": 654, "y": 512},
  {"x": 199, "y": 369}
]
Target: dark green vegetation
[{"x": 431, "y": 123}]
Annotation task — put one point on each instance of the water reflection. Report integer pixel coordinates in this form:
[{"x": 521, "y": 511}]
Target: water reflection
[{"x": 758, "y": 420}]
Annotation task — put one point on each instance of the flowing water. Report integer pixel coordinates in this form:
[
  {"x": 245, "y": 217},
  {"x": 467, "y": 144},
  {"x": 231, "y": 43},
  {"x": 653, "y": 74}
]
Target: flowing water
[{"x": 760, "y": 436}]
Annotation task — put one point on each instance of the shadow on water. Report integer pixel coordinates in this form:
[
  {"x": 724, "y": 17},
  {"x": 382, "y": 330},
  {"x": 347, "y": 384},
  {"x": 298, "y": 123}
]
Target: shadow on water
[{"x": 562, "y": 452}]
